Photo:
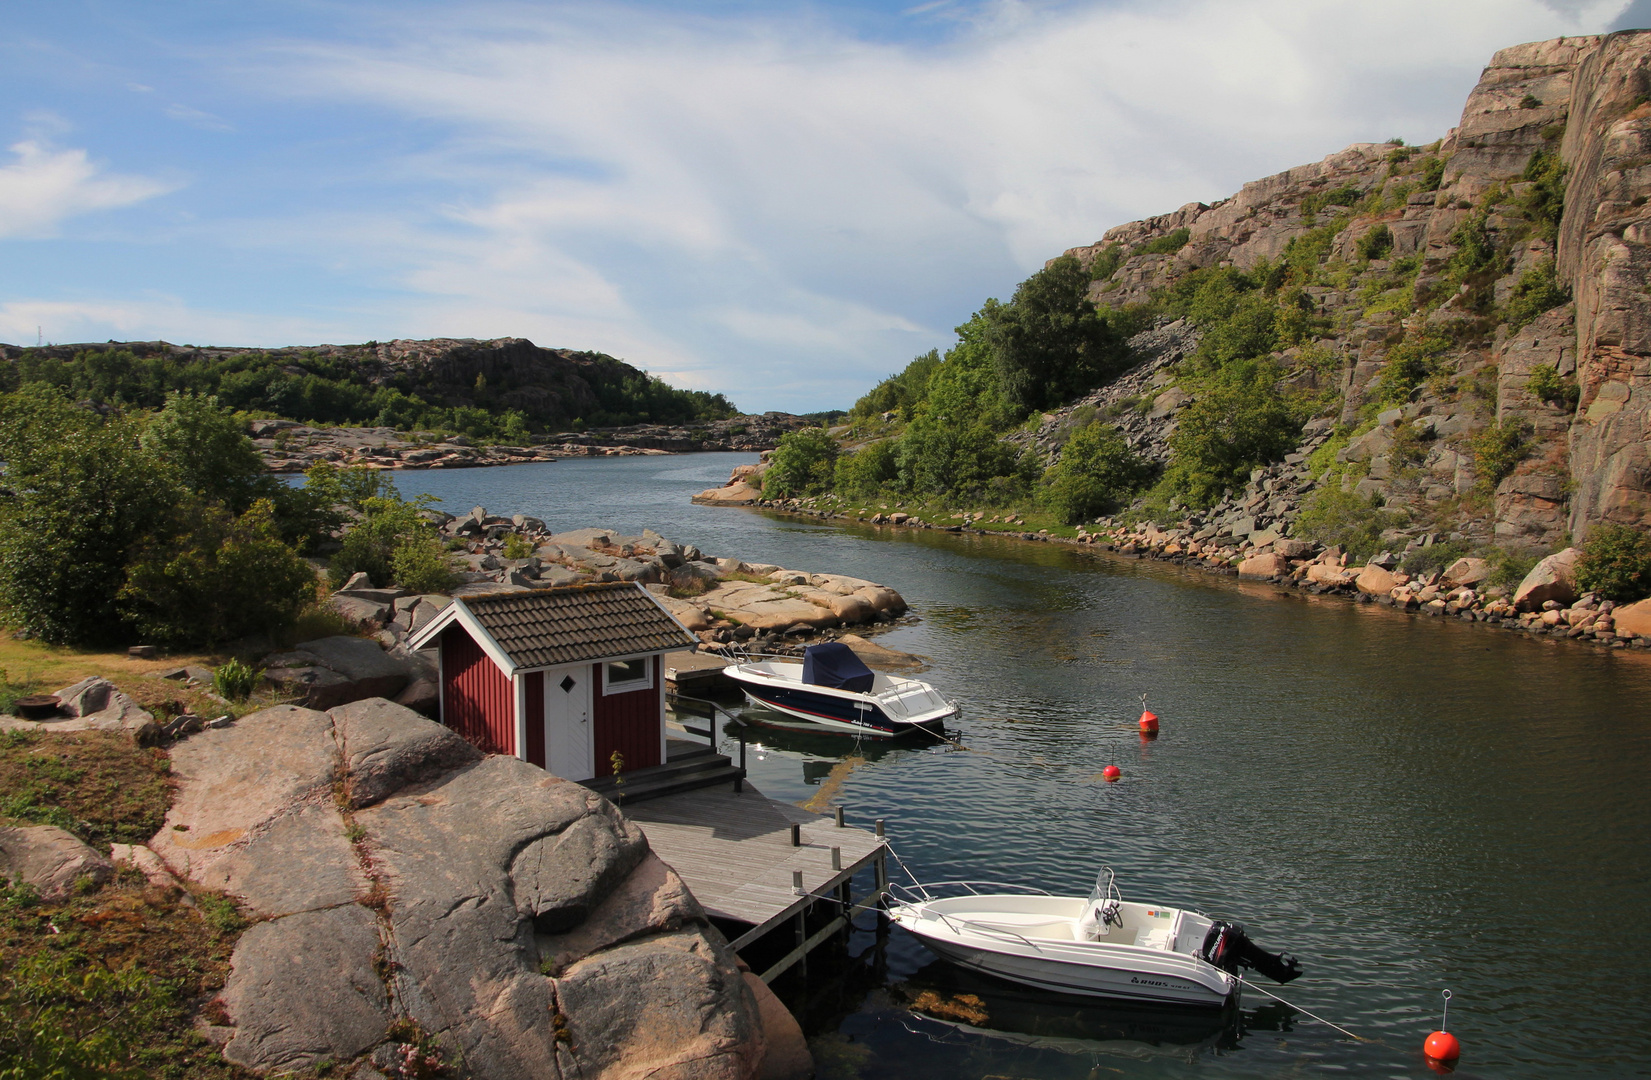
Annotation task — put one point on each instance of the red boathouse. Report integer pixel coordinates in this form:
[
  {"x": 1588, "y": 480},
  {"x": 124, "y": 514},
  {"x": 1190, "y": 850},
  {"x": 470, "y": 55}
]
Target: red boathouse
[{"x": 564, "y": 678}]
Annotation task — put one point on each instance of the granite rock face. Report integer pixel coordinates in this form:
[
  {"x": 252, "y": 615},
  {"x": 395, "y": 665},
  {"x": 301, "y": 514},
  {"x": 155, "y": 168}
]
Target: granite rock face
[
  {"x": 49, "y": 860},
  {"x": 517, "y": 917}
]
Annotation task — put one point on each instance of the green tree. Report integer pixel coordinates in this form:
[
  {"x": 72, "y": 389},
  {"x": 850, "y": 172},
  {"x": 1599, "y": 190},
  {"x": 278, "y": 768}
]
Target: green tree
[
  {"x": 1615, "y": 562},
  {"x": 867, "y": 470},
  {"x": 899, "y": 393},
  {"x": 1237, "y": 421},
  {"x": 803, "y": 463},
  {"x": 84, "y": 498},
  {"x": 1096, "y": 472},
  {"x": 1049, "y": 343},
  {"x": 387, "y": 525},
  {"x": 952, "y": 444},
  {"x": 216, "y": 578},
  {"x": 208, "y": 448}
]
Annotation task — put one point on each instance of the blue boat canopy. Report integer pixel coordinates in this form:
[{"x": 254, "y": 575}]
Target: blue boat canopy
[{"x": 834, "y": 664}]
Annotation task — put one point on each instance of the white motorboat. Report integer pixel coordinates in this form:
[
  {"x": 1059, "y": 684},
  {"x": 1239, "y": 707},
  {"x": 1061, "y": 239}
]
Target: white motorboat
[
  {"x": 1098, "y": 945},
  {"x": 833, "y": 689}
]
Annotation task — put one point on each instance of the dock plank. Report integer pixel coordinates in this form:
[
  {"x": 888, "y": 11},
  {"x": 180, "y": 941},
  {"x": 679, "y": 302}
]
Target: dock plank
[{"x": 734, "y": 851}]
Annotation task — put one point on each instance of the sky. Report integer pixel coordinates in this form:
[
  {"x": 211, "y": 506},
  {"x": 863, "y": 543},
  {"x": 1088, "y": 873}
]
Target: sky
[{"x": 783, "y": 202}]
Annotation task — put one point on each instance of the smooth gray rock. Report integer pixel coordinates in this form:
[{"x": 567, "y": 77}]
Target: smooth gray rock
[
  {"x": 49, "y": 860},
  {"x": 297, "y": 860},
  {"x": 388, "y": 747},
  {"x": 652, "y": 898},
  {"x": 359, "y": 611},
  {"x": 559, "y": 879},
  {"x": 423, "y": 696},
  {"x": 303, "y": 989},
  {"x": 232, "y": 782},
  {"x": 369, "y": 671},
  {"x": 96, "y": 704},
  {"x": 698, "y": 1009},
  {"x": 559, "y": 575},
  {"x": 309, "y": 684}
]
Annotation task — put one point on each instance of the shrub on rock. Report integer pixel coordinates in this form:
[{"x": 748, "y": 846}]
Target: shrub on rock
[{"x": 1615, "y": 562}]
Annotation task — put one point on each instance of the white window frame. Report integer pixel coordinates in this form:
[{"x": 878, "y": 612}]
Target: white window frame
[{"x": 630, "y": 685}]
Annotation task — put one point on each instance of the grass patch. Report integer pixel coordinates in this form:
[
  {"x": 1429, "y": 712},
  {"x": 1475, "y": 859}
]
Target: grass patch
[
  {"x": 105, "y": 984},
  {"x": 95, "y": 784}
]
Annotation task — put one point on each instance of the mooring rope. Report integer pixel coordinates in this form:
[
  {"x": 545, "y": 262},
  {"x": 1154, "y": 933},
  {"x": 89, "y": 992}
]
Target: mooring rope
[{"x": 1302, "y": 1011}]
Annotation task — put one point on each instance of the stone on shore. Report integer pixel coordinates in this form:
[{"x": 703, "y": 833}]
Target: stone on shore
[
  {"x": 737, "y": 493},
  {"x": 1468, "y": 571},
  {"x": 1269, "y": 565},
  {"x": 50, "y": 861},
  {"x": 1375, "y": 581},
  {"x": 1551, "y": 579},
  {"x": 1634, "y": 618}
]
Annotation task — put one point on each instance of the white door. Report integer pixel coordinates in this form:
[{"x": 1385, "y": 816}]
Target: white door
[{"x": 568, "y": 747}]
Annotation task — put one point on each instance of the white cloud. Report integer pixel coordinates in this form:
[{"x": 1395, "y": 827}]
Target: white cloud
[
  {"x": 776, "y": 208},
  {"x": 46, "y": 186},
  {"x": 196, "y": 118},
  {"x": 153, "y": 316}
]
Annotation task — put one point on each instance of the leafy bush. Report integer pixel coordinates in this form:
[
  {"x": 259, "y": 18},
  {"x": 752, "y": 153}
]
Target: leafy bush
[
  {"x": 1376, "y": 242},
  {"x": 899, "y": 393},
  {"x": 1433, "y": 173},
  {"x": 1425, "y": 560},
  {"x": 804, "y": 463},
  {"x": 1546, "y": 384},
  {"x": 1237, "y": 422},
  {"x": 1334, "y": 516},
  {"x": 1498, "y": 450},
  {"x": 1168, "y": 244},
  {"x": 1536, "y": 291},
  {"x": 235, "y": 680},
  {"x": 1615, "y": 562},
  {"x": 215, "y": 578},
  {"x": 1410, "y": 363},
  {"x": 1049, "y": 344},
  {"x": 64, "y": 1019},
  {"x": 421, "y": 564},
  {"x": 1107, "y": 262},
  {"x": 1544, "y": 204},
  {"x": 1346, "y": 195},
  {"x": 517, "y": 546},
  {"x": 1097, "y": 471},
  {"x": 867, "y": 469}
]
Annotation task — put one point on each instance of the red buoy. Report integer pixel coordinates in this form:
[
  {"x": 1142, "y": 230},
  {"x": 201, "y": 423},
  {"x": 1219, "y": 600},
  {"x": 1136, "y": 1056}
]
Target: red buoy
[
  {"x": 1442, "y": 1046},
  {"x": 1111, "y": 773},
  {"x": 1149, "y": 722}
]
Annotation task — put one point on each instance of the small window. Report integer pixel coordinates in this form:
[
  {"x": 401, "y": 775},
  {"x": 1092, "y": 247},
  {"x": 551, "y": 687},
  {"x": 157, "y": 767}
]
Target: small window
[{"x": 622, "y": 676}]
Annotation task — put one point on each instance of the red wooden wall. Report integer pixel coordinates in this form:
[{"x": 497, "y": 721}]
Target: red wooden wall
[
  {"x": 477, "y": 699},
  {"x": 628, "y": 723},
  {"x": 534, "y": 682}
]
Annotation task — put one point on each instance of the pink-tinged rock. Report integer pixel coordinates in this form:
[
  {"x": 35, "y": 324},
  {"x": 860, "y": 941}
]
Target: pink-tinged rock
[
  {"x": 738, "y": 493},
  {"x": 50, "y": 861},
  {"x": 1375, "y": 581},
  {"x": 1294, "y": 549},
  {"x": 1468, "y": 571},
  {"x": 1554, "y": 578},
  {"x": 1633, "y": 618},
  {"x": 1264, "y": 566},
  {"x": 1328, "y": 574}
]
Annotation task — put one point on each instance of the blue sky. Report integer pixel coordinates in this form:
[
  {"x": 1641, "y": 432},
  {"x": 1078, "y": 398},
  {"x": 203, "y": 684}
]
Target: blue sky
[{"x": 783, "y": 202}]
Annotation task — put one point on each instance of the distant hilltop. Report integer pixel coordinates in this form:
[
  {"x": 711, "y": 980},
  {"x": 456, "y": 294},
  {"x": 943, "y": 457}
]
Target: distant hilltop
[{"x": 505, "y": 389}]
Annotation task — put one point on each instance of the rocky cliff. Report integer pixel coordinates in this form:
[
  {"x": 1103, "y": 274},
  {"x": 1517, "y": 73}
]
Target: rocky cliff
[{"x": 1452, "y": 306}]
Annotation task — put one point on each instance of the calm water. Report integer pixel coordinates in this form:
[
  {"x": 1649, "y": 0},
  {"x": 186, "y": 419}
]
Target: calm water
[{"x": 1405, "y": 804}]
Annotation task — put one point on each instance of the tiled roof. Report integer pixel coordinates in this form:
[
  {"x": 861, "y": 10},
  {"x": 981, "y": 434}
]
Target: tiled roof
[{"x": 581, "y": 622}]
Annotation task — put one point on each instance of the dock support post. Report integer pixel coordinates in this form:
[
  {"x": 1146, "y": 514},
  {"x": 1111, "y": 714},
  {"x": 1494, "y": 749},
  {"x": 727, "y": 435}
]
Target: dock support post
[
  {"x": 882, "y": 876},
  {"x": 796, "y": 835},
  {"x": 839, "y": 817}
]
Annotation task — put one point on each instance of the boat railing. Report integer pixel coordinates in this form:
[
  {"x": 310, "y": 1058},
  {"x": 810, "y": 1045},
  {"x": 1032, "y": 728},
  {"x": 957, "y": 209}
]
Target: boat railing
[{"x": 919, "y": 892}]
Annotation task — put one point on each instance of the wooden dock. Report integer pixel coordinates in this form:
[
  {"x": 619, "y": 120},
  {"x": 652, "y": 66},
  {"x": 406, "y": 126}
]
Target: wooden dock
[
  {"x": 693, "y": 672},
  {"x": 736, "y": 853}
]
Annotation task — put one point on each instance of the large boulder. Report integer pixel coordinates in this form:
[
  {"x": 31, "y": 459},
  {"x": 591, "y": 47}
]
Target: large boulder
[
  {"x": 1468, "y": 572},
  {"x": 94, "y": 704},
  {"x": 50, "y": 861},
  {"x": 1375, "y": 581},
  {"x": 336, "y": 670},
  {"x": 1554, "y": 578},
  {"x": 1329, "y": 574},
  {"x": 1269, "y": 565},
  {"x": 1634, "y": 618},
  {"x": 737, "y": 493},
  {"x": 518, "y": 918}
]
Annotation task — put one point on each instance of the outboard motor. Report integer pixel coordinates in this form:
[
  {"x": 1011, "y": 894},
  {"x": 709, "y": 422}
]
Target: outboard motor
[{"x": 1229, "y": 948}]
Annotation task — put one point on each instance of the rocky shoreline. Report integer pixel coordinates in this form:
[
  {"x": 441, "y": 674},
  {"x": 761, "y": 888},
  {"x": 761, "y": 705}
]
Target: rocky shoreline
[
  {"x": 290, "y": 447},
  {"x": 1547, "y": 603}
]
